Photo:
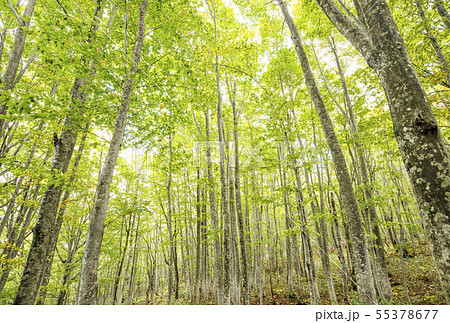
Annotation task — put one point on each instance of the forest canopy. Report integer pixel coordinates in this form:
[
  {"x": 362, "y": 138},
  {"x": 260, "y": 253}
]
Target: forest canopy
[{"x": 224, "y": 152}]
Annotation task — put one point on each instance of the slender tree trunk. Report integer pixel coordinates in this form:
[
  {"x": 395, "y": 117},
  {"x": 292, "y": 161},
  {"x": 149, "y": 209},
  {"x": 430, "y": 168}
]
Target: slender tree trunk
[
  {"x": 223, "y": 181},
  {"x": 215, "y": 225},
  {"x": 11, "y": 252},
  {"x": 443, "y": 13},
  {"x": 59, "y": 220},
  {"x": 306, "y": 241},
  {"x": 169, "y": 227},
  {"x": 402, "y": 259},
  {"x": 15, "y": 56},
  {"x": 68, "y": 263},
  {"x": 434, "y": 43},
  {"x": 235, "y": 270},
  {"x": 366, "y": 288},
  {"x": 128, "y": 255},
  {"x": 198, "y": 241},
  {"x": 11, "y": 204},
  {"x": 175, "y": 262},
  {"x": 205, "y": 285},
  {"x": 121, "y": 258},
  {"x": 340, "y": 251},
  {"x": 321, "y": 227},
  {"x": 380, "y": 267},
  {"x": 132, "y": 282},
  {"x": 287, "y": 222},
  {"x": 242, "y": 233},
  {"x": 88, "y": 277}
]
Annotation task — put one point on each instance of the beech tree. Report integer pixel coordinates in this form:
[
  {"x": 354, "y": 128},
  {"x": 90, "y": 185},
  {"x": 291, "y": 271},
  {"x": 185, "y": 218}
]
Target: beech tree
[
  {"x": 376, "y": 37},
  {"x": 64, "y": 146},
  {"x": 88, "y": 280},
  {"x": 366, "y": 288}
]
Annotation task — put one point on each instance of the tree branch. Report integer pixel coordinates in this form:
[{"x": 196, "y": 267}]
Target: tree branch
[
  {"x": 25, "y": 68},
  {"x": 352, "y": 31},
  {"x": 351, "y": 15},
  {"x": 14, "y": 12},
  {"x": 62, "y": 8}
]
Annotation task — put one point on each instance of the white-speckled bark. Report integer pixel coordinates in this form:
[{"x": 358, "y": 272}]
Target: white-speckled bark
[{"x": 423, "y": 150}]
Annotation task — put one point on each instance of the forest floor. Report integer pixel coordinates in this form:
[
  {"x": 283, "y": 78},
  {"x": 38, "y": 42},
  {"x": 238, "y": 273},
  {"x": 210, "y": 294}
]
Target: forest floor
[{"x": 420, "y": 274}]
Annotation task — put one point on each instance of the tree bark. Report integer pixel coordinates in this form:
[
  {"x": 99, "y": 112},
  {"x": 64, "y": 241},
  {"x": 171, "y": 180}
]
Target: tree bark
[
  {"x": 198, "y": 241},
  {"x": 306, "y": 240},
  {"x": 380, "y": 267},
  {"x": 10, "y": 252},
  {"x": 287, "y": 222},
  {"x": 59, "y": 220},
  {"x": 223, "y": 181},
  {"x": 420, "y": 140}
]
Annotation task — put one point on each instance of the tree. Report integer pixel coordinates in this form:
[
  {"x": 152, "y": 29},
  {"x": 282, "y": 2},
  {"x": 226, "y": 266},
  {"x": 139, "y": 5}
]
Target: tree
[
  {"x": 365, "y": 284},
  {"x": 64, "y": 146},
  {"x": 9, "y": 76},
  {"x": 376, "y": 37},
  {"x": 88, "y": 282}
]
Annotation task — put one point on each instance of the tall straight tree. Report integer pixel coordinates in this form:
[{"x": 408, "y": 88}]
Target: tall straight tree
[
  {"x": 380, "y": 267},
  {"x": 64, "y": 146},
  {"x": 212, "y": 207},
  {"x": 364, "y": 278},
  {"x": 87, "y": 293},
  {"x": 223, "y": 174},
  {"x": 169, "y": 226},
  {"x": 237, "y": 184},
  {"x": 376, "y": 37}
]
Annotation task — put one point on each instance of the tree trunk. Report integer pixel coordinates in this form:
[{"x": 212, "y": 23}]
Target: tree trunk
[
  {"x": 443, "y": 13},
  {"x": 198, "y": 241},
  {"x": 122, "y": 258},
  {"x": 306, "y": 241},
  {"x": 9, "y": 253},
  {"x": 175, "y": 261},
  {"x": 380, "y": 267},
  {"x": 340, "y": 251},
  {"x": 59, "y": 220},
  {"x": 287, "y": 222},
  {"x": 11, "y": 204},
  {"x": 215, "y": 225},
  {"x": 223, "y": 182},
  {"x": 9, "y": 77},
  {"x": 420, "y": 141},
  {"x": 434, "y": 43},
  {"x": 321, "y": 227},
  {"x": 43, "y": 230},
  {"x": 88, "y": 276},
  {"x": 242, "y": 234},
  {"x": 366, "y": 288}
]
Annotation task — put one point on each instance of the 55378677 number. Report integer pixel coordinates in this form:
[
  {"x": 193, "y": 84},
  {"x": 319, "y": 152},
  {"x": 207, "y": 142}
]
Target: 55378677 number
[{"x": 406, "y": 314}]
